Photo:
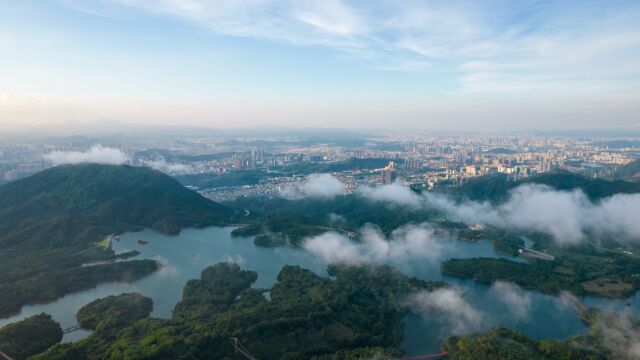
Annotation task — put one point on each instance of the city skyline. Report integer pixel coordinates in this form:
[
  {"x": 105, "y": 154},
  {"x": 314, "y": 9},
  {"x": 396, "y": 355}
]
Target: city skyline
[{"x": 490, "y": 66}]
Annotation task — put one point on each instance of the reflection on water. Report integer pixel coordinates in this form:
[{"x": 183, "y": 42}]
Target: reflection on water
[{"x": 184, "y": 256}]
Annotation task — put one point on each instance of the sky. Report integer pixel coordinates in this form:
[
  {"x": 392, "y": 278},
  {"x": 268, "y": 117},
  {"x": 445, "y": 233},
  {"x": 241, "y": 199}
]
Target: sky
[{"x": 453, "y": 65}]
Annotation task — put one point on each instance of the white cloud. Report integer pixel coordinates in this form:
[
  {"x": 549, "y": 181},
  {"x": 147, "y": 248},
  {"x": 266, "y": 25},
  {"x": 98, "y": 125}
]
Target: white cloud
[
  {"x": 540, "y": 208},
  {"x": 492, "y": 47},
  {"x": 166, "y": 268},
  {"x": 392, "y": 193},
  {"x": 333, "y": 248},
  {"x": 336, "y": 219},
  {"x": 331, "y": 17},
  {"x": 619, "y": 215},
  {"x": 620, "y": 333},
  {"x": 318, "y": 186},
  {"x": 569, "y": 217},
  {"x": 236, "y": 259},
  {"x": 405, "y": 243},
  {"x": 517, "y": 301},
  {"x": 97, "y": 154},
  {"x": 456, "y": 313},
  {"x": 164, "y": 166}
]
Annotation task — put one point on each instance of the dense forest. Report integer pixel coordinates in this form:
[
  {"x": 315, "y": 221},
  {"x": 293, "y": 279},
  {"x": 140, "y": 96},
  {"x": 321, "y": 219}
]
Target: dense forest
[
  {"x": 629, "y": 172},
  {"x": 114, "y": 312},
  {"x": 496, "y": 188},
  {"x": 30, "y": 336},
  {"x": 51, "y": 224},
  {"x": 355, "y": 314},
  {"x": 580, "y": 270},
  {"x": 611, "y": 336},
  {"x": 295, "y": 219},
  {"x": 358, "y": 311}
]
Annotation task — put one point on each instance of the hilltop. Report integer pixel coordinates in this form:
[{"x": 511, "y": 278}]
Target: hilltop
[
  {"x": 77, "y": 203},
  {"x": 51, "y": 223}
]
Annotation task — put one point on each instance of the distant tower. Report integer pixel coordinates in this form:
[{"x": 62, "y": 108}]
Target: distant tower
[{"x": 389, "y": 174}]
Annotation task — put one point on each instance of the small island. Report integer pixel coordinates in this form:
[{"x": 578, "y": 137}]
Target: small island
[
  {"x": 30, "y": 336},
  {"x": 354, "y": 313}
]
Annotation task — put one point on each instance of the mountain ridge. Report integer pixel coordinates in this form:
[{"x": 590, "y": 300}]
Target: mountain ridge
[
  {"x": 496, "y": 188},
  {"x": 105, "y": 199},
  {"x": 51, "y": 224}
]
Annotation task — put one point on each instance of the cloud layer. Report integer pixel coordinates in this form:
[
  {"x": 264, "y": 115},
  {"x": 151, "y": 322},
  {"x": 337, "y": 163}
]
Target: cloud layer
[
  {"x": 97, "y": 154},
  {"x": 515, "y": 300},
  {"x": 164, "y": 166},
  {"x": 392, "y": 193},
  {"x": 497, "y": 46},
  {"x": 449, "y": 305},
  {"x": 406, "y": 242},
  {"x": 569, "y": 217},
  {"x": 317, "y": 186}
]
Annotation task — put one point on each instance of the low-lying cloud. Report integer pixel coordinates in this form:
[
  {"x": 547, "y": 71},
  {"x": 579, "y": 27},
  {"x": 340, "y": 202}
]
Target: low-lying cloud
[
  {"x": 166, "y": 268},
  {"x": 448, "y": 304},
  {"x": 516, "y": 300},
  {"x": 392, "y": 193},
  {"x": 620, "y": 333},
  {"x": 96, "y": 154},
  {"x": 236, "y": 259},
  {"x": 317, "y": 186},
  {"x": 164, "y": 166},
  {"x": 569, "y": 217},
  {"x": 404, "y": 243}
]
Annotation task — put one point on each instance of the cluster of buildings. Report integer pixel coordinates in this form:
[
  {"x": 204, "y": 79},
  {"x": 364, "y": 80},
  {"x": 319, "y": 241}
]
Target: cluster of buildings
[{"x": 270, "y": 166}]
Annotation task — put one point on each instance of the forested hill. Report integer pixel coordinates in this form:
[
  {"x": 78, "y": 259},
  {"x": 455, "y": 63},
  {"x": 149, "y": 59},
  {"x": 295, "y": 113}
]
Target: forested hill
[
  {"x": 52, "y": 222},
  {"x": 76, "y": 203},
  {"x": 629, "y": 172},
  {"x": 496, "y": 188}
]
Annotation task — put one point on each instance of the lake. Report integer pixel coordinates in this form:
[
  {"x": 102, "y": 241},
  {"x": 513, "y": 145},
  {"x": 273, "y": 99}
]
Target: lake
[{"x": 186, "y": 255}]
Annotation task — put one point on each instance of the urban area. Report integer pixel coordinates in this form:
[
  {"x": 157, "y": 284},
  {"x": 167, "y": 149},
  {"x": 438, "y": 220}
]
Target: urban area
[{"x": 227, "y": 167}]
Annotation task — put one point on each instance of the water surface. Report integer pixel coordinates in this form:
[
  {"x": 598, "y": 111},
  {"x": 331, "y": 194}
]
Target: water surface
[{"x": 186, "y": 255}]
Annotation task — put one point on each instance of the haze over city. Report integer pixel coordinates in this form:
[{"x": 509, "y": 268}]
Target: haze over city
[
  {"x": 463, "y": 65},
  {"x": 319, "y": 179}
]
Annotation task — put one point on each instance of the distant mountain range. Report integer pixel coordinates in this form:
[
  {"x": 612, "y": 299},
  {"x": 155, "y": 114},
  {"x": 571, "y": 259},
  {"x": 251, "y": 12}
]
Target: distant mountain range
[{"x": 52, "y": 222}]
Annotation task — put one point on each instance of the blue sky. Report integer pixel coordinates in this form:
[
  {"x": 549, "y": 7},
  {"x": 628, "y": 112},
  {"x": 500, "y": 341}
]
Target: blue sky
[{"x": 479, "y": 65}]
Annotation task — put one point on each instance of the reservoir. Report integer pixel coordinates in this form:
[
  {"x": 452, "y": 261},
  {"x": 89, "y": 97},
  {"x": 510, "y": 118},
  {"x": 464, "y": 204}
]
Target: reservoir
[{"x": 184, "y": 256}]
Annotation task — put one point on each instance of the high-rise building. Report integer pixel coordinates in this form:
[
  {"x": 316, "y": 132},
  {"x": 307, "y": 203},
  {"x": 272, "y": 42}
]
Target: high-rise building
[
  {"x": 412, "y": 165},
  {"x": 389, "y": 174}
]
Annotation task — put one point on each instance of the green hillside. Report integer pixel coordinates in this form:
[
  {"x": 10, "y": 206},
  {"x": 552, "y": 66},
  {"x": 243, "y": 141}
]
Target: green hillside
[
  {"x": 79, "y": 203},
  {"x": 629, "y": 172},
  {"x": 611, "y": 336},
  {"x": 30, "y": 336},
  {"x": 358, "y": 310},
  {"x": 496, "y": 188},
  {"x": 51, "y": 223}
]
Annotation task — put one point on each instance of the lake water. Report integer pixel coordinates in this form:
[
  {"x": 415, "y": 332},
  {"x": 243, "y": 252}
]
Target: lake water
[{"x": 184, "y": 256}]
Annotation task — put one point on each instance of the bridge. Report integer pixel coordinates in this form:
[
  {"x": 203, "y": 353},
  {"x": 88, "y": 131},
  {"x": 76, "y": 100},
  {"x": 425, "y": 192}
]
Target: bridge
[
  {"x": 428, "y": 356},
  {"x": 65, "y": 331},
  {"x": 71, "y": 329},
  {"x": 240, "y": 349}
]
